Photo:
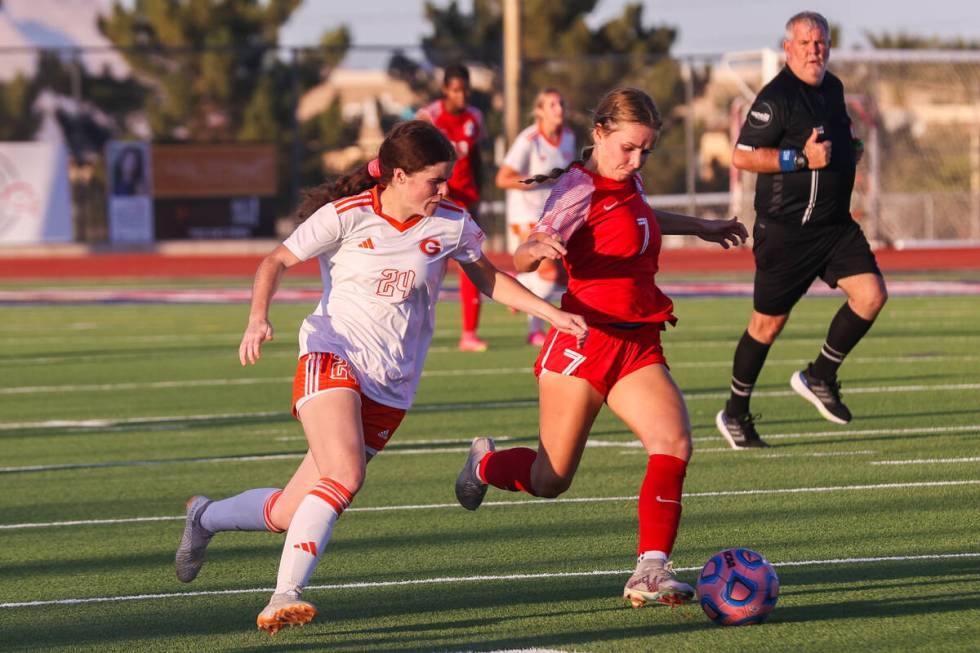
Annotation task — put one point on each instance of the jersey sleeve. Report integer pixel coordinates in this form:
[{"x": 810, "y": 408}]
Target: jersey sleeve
[
  {"x": 470, "y": 247},
  {"x": 567, "y": 207},
  {"x": 766, "y": 122},
  {"x": 318, "y": 234},
  {"x": 519, "y": 155},
  {"x": 429, "y": 112}
]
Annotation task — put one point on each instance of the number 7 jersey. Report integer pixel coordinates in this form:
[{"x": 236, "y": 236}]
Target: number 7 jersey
[
  {"x": 613, "y": 241},
  {"x": 381, "y": 280}
]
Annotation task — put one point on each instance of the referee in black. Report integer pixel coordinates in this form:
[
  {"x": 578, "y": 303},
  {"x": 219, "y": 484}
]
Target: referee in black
[{"x": 798, "y": 138}]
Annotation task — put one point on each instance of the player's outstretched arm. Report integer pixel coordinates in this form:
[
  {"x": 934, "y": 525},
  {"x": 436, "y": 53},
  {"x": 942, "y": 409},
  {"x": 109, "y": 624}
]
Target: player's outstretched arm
[
  {"x": 267, "y": 279},
  {"x": 727, "y": 233},
  {"x": 501, "y": 287}
]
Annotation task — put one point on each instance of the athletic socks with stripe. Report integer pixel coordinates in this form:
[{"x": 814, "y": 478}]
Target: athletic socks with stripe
[
  {"x": 309, "y": 532},
  {"x": 750, "y": 356},
  {"x": 846, "y": 330},
  {"x": 248, "y": 511}
]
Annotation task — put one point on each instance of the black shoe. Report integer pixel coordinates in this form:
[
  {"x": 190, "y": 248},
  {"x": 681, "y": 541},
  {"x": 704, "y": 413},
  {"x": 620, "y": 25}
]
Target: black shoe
[
  {"x": 739, "y": 431},
  {"x": 825, "y": 395}
]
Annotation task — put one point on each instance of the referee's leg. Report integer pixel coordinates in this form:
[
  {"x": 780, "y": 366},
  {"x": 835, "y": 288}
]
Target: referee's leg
[
  {"x": 866, "y": 295},
  {"x": 735, "y": 422}
]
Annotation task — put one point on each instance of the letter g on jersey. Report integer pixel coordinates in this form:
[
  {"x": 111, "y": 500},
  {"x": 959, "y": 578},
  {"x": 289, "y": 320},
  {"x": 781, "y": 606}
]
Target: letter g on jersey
[
  {"x": 760, "y": 115},
  {"x": 430, "y": 247}
]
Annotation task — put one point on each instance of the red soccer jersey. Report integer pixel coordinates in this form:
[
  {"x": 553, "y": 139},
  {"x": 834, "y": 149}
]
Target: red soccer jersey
[
  {"x": 613, "y": 242},
  {"x": 465, "y": 130}
]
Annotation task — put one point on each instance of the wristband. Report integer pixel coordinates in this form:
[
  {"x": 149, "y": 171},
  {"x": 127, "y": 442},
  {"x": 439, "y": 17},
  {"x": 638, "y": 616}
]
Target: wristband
[{"x": 787, "y": 160}]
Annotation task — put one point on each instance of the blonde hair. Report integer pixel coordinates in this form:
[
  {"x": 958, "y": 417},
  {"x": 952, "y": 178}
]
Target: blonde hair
[{"x": 618, "y": 106}]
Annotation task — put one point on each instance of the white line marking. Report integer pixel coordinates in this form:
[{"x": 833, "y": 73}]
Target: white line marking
[
  {"x": 445, "y": 580},
  {"x": 427, "y": 408},
  {"x": 541, "y": 502},
  {"x": 729, "y": 450},
  {"x": 405, "y": 449},
  {"x": 926, "y": 461},
  {"x": 923, "y": 430},
  {"x": 495, "y": 371}
]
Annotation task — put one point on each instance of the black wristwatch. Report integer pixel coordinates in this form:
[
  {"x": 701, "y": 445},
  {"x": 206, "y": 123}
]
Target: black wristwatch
[{"x": 801, "y": 162}]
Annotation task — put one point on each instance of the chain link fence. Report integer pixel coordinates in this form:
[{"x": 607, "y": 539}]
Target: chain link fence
[{"x": 918, "y": 112}]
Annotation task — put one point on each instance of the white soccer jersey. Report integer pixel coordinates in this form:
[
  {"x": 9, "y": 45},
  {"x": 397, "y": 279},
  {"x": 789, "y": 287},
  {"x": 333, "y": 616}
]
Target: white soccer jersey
[
  {"x": 381, "y": 280},
  {"x": 533, "y": 154}
]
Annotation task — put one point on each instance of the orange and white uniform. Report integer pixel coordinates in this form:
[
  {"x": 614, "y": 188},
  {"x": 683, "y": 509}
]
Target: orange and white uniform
[
  {"x": 532, "y": 153},
  {"x": 381, "y": 280}
]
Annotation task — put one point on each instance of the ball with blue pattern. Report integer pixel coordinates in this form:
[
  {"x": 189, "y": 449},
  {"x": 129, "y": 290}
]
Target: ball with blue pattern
[{"x": 738, "y": 587}]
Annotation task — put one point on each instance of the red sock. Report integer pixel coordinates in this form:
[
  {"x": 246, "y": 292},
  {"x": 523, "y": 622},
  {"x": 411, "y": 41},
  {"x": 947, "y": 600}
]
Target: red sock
[
  {"x": 660, "y": 503},
  {"x": 509, "y": 469},
  {"x": 469, "y": 297}
]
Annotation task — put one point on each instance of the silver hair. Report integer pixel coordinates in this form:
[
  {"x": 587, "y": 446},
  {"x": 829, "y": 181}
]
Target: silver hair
[{"x": 811, "y": 18}]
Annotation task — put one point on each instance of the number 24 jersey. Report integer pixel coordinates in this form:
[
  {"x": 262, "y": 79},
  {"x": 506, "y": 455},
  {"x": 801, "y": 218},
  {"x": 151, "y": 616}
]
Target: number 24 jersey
[{"x": 381, "y": 280}]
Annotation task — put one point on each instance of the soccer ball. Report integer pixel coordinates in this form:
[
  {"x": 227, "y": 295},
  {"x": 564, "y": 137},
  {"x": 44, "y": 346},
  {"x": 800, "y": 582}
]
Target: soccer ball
[{"x": 737, "y": 587}]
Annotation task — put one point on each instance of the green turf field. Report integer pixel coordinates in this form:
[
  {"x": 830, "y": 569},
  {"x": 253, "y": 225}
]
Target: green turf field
[{"x": 110, "y": 416}]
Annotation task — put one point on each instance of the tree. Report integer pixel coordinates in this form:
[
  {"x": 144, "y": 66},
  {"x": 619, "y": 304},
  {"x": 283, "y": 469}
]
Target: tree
[
  {"x": 561, "y": 50},
  {"x": 18, "y": 120},
  {"x": 212, "y": 71},
  {"x": 903, "y": 41},
  {"x": 205, "y": 61}
]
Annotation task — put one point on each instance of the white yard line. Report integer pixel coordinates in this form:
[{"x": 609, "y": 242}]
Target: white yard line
[
  {"x": 447, "y": 580},
  {"x": 426, "y": 408},
  {"x": 927, "y": 461},
  {"x": 412, "y": 447},
  {"x": 492, "y": 371},
  {"x": 917, "y": 430},
  {"x": 542, "y": 502}
]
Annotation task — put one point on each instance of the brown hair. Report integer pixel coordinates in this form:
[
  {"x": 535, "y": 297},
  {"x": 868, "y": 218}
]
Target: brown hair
[
  {"x": 411, "y": 145},
  {"x": 624, "y": 104}
]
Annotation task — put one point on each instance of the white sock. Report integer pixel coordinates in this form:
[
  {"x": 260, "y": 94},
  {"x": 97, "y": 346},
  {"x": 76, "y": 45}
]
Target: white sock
[
  {"x": 652, "y": 555},
  {"x": 309, "y": 532}
]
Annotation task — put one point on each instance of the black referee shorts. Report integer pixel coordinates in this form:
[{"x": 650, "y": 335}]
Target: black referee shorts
[{"x": 789, "y": 258}]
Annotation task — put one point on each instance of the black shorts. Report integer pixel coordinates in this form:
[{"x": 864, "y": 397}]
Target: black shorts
[{"x": 789, "y": 258}]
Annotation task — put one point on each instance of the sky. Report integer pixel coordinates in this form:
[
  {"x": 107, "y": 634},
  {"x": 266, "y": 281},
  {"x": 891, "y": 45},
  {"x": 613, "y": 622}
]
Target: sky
[{"x": 706, "y": 26}]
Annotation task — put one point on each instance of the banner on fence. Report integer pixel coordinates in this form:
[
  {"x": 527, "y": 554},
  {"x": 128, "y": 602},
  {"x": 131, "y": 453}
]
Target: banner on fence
[
  {"x": 130, "y": 177},
  {"x": 35, "y": 197}
]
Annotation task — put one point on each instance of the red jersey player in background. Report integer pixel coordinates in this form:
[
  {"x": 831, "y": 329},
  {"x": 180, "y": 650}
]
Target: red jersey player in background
[
  {"x": 383, "y": 235},
  {"x": 597, "y": 219},
  {"x": 464, "y": 127}
]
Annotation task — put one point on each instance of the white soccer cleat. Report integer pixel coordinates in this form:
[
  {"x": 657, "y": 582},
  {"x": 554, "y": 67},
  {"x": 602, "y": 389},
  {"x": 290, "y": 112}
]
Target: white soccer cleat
[
  {"x": 654, "y": 582},
  {"x": 193, "y": 541},
  {"x": 470, "y": 490},
  {"x": 285, "y": 609}
]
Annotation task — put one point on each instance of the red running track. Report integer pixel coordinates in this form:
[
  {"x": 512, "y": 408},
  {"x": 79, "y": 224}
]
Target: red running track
[{"x": 220, "y": 265}]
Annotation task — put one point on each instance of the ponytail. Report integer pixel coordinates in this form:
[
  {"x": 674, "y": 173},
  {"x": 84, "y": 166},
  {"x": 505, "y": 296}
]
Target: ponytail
[
  {"x": 411, "y": 145},
  {"x": 352, "y": 183}
]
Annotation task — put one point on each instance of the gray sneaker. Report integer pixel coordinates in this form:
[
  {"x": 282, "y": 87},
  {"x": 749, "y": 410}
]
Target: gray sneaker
[
  {"x": 824, "y": 395},
  {"x": 285, "y": 609},
  {"x": 739, "y": 431},
  {"x": 470, "y": 490},
  {"x": 653, "y": 581},
  {"x": 193, "y": 542}
]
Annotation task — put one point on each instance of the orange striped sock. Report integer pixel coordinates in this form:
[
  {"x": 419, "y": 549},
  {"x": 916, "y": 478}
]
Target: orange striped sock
[{"x": 309, "y": 532}]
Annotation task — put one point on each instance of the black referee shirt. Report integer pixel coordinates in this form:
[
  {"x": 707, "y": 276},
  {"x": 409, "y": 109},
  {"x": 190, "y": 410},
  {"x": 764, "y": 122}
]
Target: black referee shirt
[{"x": 783, "y": 116}]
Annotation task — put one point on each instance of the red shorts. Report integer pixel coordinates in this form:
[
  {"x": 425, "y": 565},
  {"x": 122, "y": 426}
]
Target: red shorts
[
  {"x": 319, "y": 372},
  {"x": 609, "y": 354}
]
